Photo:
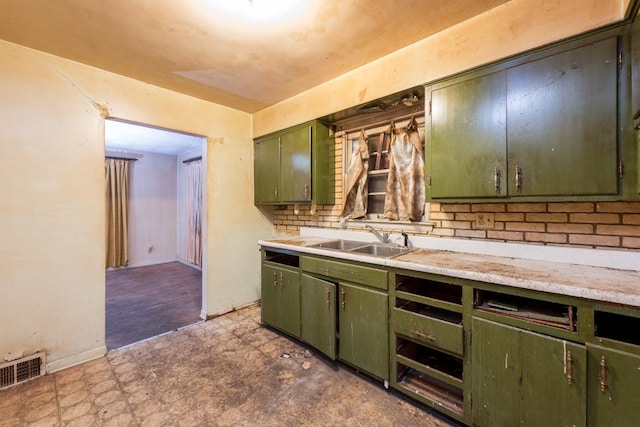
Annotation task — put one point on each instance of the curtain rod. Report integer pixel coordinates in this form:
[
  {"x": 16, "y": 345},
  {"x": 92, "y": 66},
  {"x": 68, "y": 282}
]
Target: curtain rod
[
  {"x": 133, "y": 159},
  {"x": 193, "y": 159},
  {"x": 417, "y": 116}
]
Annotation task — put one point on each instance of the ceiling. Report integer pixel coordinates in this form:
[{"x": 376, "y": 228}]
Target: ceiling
[
  {"x": 121, "y": 136},
  {"x": 245, "y": 57}
]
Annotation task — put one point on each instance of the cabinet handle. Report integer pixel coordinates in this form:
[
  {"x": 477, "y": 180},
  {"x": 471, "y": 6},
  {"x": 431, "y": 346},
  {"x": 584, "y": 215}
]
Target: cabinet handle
[
  {"x": 306, "y": 191},
  {"x": 518, "y": 178},
  {"x": 569, "y": 368},
  {"x": 496, "y": 180},
  {"x": 343, "y": 294},
  {"x": 281, "y": 279},
  {"x": 424, "y": 336},
  {"x": 275, "y": 191},
  {"x": 275, "y": 279},
  {"x": 328, "y": 299},
  {"x": 603, "y": 374}
]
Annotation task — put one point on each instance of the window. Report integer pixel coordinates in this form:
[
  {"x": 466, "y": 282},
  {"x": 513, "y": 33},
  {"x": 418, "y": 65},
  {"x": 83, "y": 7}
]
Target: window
[{"x": 378, "y": 139}]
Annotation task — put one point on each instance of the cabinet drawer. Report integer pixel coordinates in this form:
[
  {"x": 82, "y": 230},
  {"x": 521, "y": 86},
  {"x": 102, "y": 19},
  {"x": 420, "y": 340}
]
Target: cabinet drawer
[
  {"x": 345, "y": 271},
  {"x": 428, "y": 330}
]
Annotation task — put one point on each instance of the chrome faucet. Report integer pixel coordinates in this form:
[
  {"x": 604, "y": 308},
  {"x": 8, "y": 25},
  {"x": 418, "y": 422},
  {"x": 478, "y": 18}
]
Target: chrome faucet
[{"x": 384, "y": 237}]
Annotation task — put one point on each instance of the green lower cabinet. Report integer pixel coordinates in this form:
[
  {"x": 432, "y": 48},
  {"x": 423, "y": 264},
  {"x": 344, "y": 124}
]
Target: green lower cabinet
[
  {"x": 521, "y": 378},
  {"x": 614, "y": 381},
  {"x": 364, "y": 329},
  {"x": 281, "y": 298},
  {"x": 318, "y": 314}
]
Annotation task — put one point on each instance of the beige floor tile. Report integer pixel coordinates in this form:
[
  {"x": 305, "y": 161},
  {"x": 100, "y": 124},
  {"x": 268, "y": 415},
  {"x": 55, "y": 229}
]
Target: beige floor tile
[{"x": 229, "y": 371}]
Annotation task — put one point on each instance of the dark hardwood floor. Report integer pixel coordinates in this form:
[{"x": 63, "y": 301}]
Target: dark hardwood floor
[{"x": 143, "y": 302}]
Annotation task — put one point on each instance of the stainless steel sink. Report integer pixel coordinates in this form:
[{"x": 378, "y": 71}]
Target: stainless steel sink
[
  {"x": 381, "y": 250},
  {"x": 385, "y": 251},
  {"x": 341, "y": 245}
]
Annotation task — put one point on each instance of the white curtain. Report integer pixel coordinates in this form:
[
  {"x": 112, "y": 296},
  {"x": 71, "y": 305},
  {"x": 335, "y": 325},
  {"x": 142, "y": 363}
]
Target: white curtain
[{"x": 193, "y": 213}]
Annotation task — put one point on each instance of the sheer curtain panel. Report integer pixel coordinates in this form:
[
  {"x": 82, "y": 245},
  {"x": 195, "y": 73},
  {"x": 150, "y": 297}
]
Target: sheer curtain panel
[
  {"x": 193, "y": 238},
  {"x": 117, "y": 200}
]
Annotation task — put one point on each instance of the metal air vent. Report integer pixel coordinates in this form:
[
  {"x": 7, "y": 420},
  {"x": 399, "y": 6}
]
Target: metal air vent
[{"x": 20, "y": 370}]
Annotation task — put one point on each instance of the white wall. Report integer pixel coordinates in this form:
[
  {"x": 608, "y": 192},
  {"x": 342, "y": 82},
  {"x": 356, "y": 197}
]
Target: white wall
[
  {"x": 52, "y": 248},
  {"x": 153, "y": 209}
]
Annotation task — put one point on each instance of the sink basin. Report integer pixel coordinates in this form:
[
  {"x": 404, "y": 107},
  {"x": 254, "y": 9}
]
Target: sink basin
[
  {"x": 341, "y": 245},
  {"x": 385, "y": 251}
]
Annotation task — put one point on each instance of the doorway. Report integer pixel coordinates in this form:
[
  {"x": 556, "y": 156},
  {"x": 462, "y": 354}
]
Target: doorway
[{"x": 158, "y": 285}]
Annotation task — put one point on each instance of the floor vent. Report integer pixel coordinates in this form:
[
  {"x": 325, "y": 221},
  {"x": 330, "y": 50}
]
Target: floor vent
[{"x": 20, "y": 370}]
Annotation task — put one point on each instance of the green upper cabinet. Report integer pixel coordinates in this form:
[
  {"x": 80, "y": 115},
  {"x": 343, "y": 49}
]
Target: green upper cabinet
[
  {"x": 266, "y": 154},
  {"x": 542, "y": 125},
  {"x": 295, "y": 165},
  {"x": 468, "y": 142},
  {"x": 562, "y": 123}
]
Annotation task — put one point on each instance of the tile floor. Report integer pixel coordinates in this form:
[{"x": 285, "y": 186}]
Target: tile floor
[{"x": 229, "y": 371}]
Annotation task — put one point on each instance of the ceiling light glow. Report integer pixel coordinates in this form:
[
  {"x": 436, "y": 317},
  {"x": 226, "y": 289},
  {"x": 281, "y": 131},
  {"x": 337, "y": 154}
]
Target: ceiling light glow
[{"x": 260, "y": 10}]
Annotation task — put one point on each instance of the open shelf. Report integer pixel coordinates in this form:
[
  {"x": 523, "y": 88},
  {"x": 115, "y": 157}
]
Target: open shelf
[
  {"x": 530, "y": 310},
  {"x": 617, "y": 327},
  {"x": 432, "y": 389},
  {"x": 429, "y": 359},
  {"x": 282, "y": 258},
  {"x": 427, "y": 310},
  {"x": 430, "y": 289}
]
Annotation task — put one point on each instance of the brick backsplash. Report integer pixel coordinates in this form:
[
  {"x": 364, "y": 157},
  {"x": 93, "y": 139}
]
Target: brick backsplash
[{"x": 590, "y": 224}]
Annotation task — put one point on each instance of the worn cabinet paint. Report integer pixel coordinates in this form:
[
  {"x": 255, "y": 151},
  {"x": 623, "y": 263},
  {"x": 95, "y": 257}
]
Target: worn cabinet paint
[
  {"x": 546, "y": 125},
  {"x": 522, "y": 378},
  {"x": 266, "y": 154},
  {"x": 295, "y": 165},
  {"x": 562, "y": 123},
  {"x": 281, "y": 298},
  {"x": 613, "y": 394},
  {"x": 467, "y": 144},
  {"x": 364, "y": 329},
  {"x": 318, "y": 314},
  {"x": 295, "y": 161}
]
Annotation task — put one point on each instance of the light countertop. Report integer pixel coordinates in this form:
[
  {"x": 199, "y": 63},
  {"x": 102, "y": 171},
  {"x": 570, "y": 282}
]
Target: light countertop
[{"x": 594, "y": 283}]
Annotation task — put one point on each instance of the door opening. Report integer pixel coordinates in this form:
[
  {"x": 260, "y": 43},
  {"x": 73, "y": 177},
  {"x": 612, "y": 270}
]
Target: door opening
[{"x": 159, "y": 287}]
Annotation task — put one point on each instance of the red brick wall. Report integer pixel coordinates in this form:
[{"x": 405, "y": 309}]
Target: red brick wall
[{"x": 600, "y": 224}]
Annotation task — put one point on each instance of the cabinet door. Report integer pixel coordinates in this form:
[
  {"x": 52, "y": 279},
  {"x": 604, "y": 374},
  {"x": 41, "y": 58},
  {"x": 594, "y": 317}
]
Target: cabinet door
[
  {"x": 270, "y": 294},
  {"x": 318, "y": 314},
  {"x": 562, "y": 121},
  {"x": 364, "y": 329},
  {"x": 468, "y": 138},
  {"x": 619, "y": 374},
  {"x": 521, "y": 378},
  {"x": 281, "y": 299},
  {"x": 266, "y": 170},
  {"x": 295, "y": 165}
]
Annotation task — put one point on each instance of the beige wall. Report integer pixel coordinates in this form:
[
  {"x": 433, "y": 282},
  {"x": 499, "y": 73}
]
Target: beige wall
[
  {"x": 514, "y": 27},
  {"x": 52, "y": 278},
  {"x": 153, "y": 209},
  {"x": 51, "y": 166}
]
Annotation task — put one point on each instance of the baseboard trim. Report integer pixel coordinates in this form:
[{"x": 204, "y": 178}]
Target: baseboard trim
[
  {"x": 206, "y": 316},
  {"x": 76, "y": 359}
]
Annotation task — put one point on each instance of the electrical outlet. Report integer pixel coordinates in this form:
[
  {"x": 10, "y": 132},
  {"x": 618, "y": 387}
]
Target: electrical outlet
[{"x": 485, "y": 221}]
